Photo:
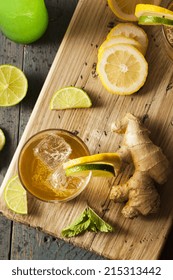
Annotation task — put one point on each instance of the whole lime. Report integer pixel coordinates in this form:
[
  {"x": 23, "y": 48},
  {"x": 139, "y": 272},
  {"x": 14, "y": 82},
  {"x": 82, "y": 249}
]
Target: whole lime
[{"x": 23, "y": 21}]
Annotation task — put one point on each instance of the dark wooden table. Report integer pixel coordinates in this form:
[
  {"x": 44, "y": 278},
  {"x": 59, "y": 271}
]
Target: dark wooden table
[{"x": 17, "y": 241}]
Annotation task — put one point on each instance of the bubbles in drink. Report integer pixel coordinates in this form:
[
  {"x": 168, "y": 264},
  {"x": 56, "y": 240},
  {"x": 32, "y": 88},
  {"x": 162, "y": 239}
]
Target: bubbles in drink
[{"x": 52, "y": 150}]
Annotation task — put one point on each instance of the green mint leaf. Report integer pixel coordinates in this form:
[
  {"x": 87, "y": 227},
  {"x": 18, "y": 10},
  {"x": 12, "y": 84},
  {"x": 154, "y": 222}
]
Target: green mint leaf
[
  {"x": 88, "y": 220},
  {"x": 100, "y": 224},
  {"x": 74, "y": 230}
]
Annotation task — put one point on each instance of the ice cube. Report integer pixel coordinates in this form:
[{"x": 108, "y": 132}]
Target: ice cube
[
  {"x": 52, "y": 150},
  {"x": 58, "y": 178}
]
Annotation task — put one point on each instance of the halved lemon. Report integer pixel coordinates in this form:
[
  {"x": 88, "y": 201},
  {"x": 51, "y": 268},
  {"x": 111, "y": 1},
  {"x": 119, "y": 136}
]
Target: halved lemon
[
  {"x": 2, "y": 139},
  {"x": 13, "y": 85},
  {"x": 118, "y": 40},
  {"x": 98, "y": 170},
  {"x": 122, "y": 69},
  {"x": 125, "y": 10},
  {"x": 152, "y": 10},
  {"x": 107, "y": 158},
  {"x": 70, "y": 97},
  {"x": 15, "y": 196},
  {"x": 132, "y": 31}
]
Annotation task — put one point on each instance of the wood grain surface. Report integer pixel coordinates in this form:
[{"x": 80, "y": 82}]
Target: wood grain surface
[{"x": 74, "y": 64}]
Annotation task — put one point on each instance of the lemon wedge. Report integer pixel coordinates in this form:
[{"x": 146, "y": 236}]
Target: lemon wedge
[
  {"x": 122, "y": 69},
  {"x": 15, "y": 196},
  {"x": 152, "y": 10},
  {"x": 125, "y": 10},
  {"x": 107, "y": 158}
]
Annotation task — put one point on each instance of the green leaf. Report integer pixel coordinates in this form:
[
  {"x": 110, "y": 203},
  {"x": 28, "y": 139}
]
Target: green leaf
[
  {"x": 100, "y": 224},
  {"x": 88, "y": 220}
]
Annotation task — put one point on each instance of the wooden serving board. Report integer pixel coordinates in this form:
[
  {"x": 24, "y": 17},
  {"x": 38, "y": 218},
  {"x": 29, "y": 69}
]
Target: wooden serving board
[{"x": 74, "y": 64}]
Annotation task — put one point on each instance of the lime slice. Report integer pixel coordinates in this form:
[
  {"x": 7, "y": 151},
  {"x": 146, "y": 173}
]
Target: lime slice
[
  {"x": 2, "y": 139},
  {"x": 13, "y": 85},
  {"x": 70, "y": 97},
  {"x": 110, "y": 158},
  {"x": 15, "y": 196},
  {"x": 98, "y": 170},
  {"x": 151, "y": 20},
  {"x": 152, "y": 10}
]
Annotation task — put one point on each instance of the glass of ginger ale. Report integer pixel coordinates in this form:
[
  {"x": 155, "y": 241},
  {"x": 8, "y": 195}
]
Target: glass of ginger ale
[
  {"x": 168, "y": 35},
  {"x": 40, "y": 165}
]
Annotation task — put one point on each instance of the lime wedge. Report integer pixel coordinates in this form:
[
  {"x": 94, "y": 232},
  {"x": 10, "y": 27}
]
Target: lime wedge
[
  {"x": 98, "y": 170},
  {"x": 106, "y": 158},
  {"x": 152, "y": 20},
  {"x": 13, "y": 85},
  {"x": 15, "y": 196},
  {"x": 70, "y": 97},
  {"x": 2, "y": 139}
]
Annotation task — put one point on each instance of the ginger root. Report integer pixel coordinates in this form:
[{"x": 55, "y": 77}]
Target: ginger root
[{"x": 150, "y": 165}]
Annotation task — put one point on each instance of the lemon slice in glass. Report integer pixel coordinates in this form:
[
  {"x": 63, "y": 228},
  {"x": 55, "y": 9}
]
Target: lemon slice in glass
[
  {"x": 107, "y": 158},
  {"x": 2, "y": 139},
  {"x": 15, "y": 196},
  {"x": 70, "y": 97},
  {"x": 125, "y": 10},
  {"x": 152, "y": 10},
  {"x": 132, "y": 31},
  {"x": 98, "y": 170},
  {"x": 122, "y": 69},
  {"x": 13, "y": 85}
]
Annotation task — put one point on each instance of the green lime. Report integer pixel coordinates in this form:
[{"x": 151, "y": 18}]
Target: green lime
[
  {"x": 23, "y": 21},
  {"x": 98, "y": 170},
  {"x": 153, "y": 20},
  {"x": 15, "y": 196},
  {"x": 13, "y": 85},
  {"x": 2, "y": 139},
  {"x": 70, "y": 97}
]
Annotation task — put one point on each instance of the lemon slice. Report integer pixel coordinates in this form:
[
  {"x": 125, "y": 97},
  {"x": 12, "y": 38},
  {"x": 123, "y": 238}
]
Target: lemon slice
[
  {"x": 118, "y": 40},
  {"x": 125, "y": 10},
  {"x": 70, "y": 97},
  {"x": 122, "y": 69},
  {"x": 15, "y": 196},
  {"x": 152, "y": 20},
  {"x": 110, "y": 158},
  {"x": 2, "y": 139},
  {"x": 130, "y": 30},
  {"x": 98, "y": 170},
  {"x": 152, "y": 10},
  {"x": 13, "y": 85}
]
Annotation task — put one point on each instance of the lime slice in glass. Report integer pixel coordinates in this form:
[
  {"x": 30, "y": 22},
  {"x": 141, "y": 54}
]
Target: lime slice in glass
[{"x": 98, "y": 170}]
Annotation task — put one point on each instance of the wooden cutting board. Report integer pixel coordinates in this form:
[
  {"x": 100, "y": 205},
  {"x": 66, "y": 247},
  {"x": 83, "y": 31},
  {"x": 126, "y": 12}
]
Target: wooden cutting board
[{"x": 74, "y": 64}]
